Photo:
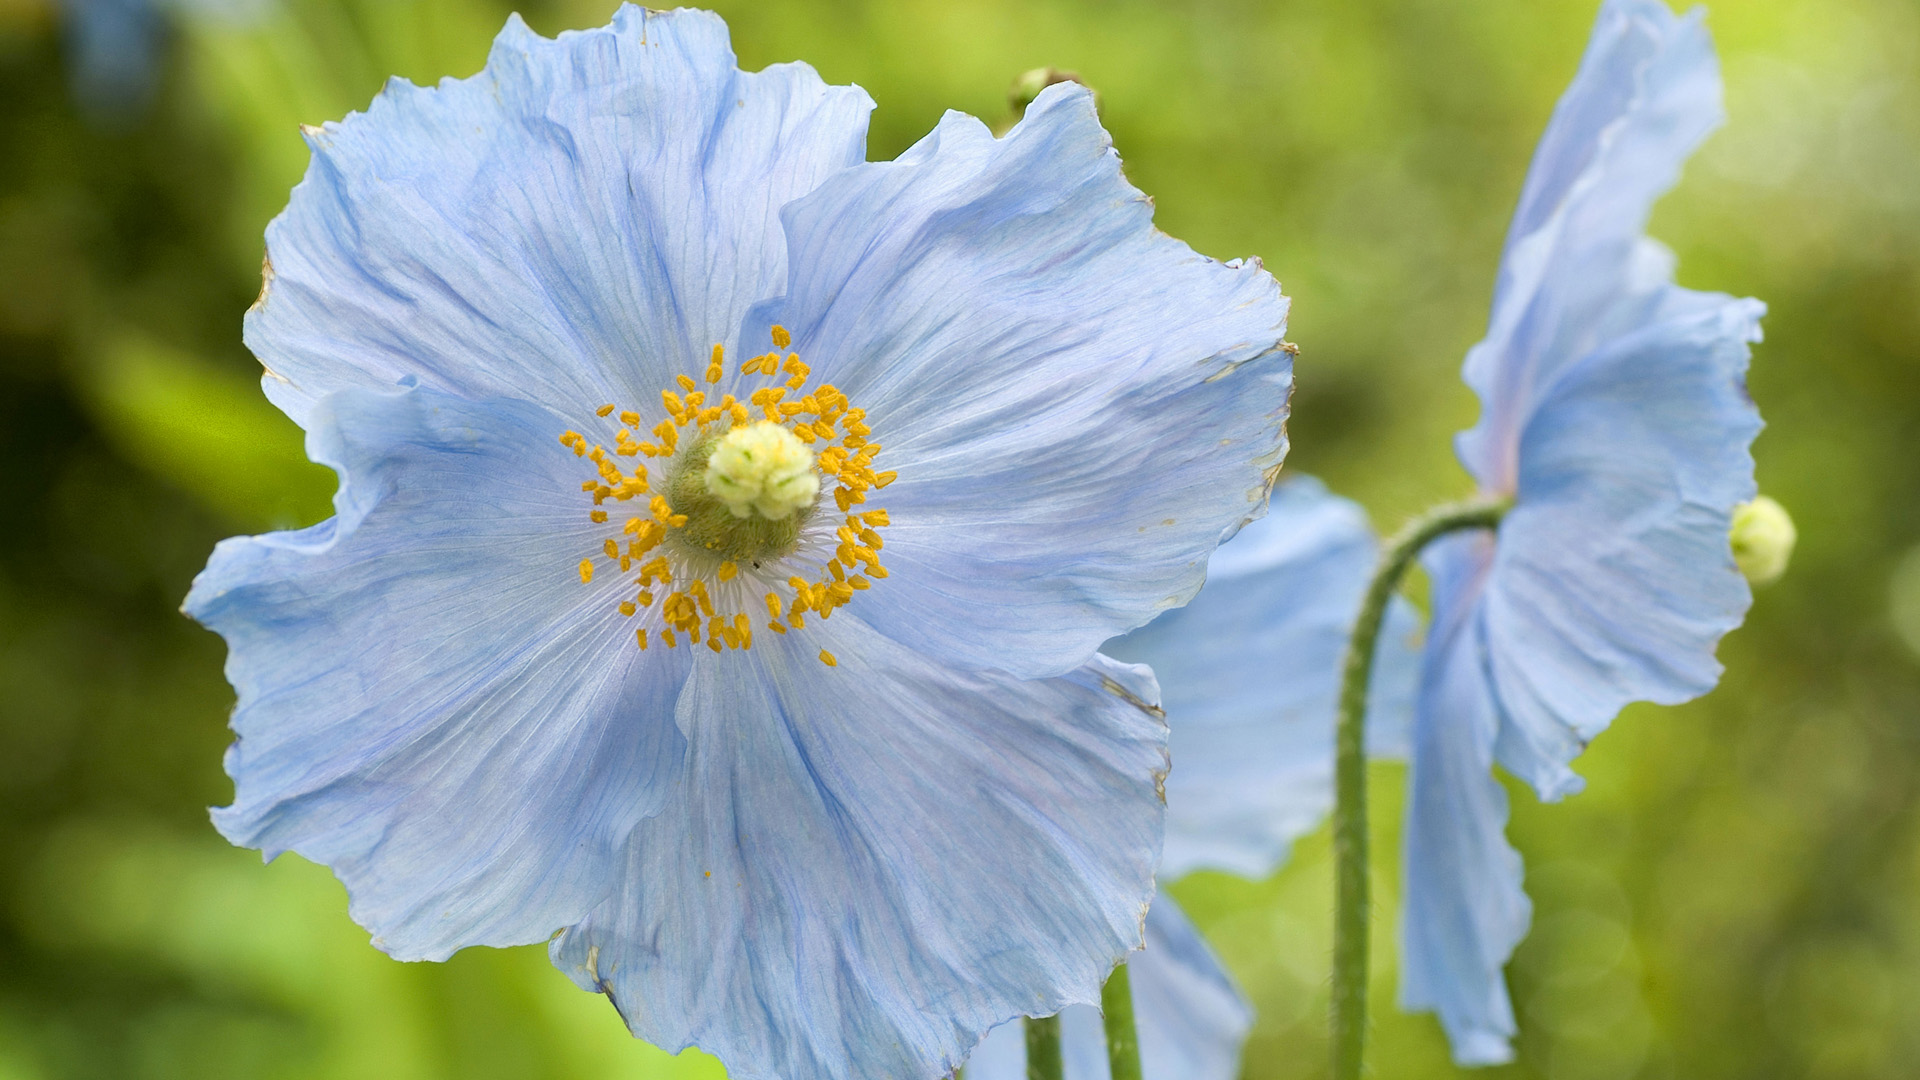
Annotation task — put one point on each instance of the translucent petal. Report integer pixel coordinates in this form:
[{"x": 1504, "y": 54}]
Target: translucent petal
[
  {"x": 876, "y": 862},
  {"x": 1616, "y": 415},
  {"x": 1078, "y": 406},
  {"x": 1615, "y": 580},
  {"x": 430, "y": 701},
  {"x": 1464, "y": 910},
  {"x": 1250, "y": 672},
  {"x": 1647, "y": 93},
  {"x": 578, "y": 223}
]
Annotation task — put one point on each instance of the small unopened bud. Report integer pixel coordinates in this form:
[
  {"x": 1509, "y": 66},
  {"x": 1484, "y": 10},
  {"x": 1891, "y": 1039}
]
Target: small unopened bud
[
  {"x": 1763, "y": 538},
  {"x": 1029, "y": 84}
]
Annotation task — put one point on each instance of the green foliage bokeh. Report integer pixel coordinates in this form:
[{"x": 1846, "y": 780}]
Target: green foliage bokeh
[{"x": 1737, "y": 893}]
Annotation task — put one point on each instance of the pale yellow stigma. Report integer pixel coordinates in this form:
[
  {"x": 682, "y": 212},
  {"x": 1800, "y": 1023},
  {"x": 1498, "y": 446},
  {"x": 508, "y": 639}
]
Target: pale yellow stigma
[{"x": 762, "y": 468}]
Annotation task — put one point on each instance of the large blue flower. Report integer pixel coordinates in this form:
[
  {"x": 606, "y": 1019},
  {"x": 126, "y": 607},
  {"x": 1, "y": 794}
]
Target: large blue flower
[
  {"x": 1616, "y": 419},
  {"x": 1249, "y": 673},
  {"x": 611, "y": 632}
]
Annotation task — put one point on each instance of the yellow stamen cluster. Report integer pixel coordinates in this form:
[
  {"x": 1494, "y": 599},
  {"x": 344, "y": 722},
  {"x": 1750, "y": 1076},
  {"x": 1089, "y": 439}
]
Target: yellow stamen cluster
[{"x": 658, "y": 546}]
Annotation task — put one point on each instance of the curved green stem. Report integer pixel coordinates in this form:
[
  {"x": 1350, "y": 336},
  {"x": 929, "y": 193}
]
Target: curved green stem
[
  {"x": 1043, "y": 1048},
  {"x": 1116, "y": 1009},
  {"x": 1352, "y": 905}
]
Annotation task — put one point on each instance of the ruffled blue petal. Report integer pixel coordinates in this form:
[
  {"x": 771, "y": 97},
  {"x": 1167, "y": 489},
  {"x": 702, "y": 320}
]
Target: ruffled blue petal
[
  {"x": 576, "y": 224},
  {"x": 873, "y": 864},
  {"x": 430, "y": 701},
  {"x": 1191, "y": 1018},
  {"x": 1616, "y": 416},
  {"x": 1614, "y": 580},
  {"x": 1647, "y": 93},
  {"x": 1078, "y": 406},
  {"x": 1464, "y": 910},
  {"x": 1250, "y": 671}
]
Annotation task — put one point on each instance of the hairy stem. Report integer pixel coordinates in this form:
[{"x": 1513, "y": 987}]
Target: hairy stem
[{"x": 1352, "y": 905}]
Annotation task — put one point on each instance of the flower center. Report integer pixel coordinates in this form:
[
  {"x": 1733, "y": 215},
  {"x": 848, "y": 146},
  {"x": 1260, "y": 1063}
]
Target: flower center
[{"x": 737, "y": 526}]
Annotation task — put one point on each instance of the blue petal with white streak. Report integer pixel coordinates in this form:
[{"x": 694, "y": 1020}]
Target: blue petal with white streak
[
  {"x": 580, "y": 222},
  {"x": 1191, "y": 1018},
  {"x": 1250, "y": 674},
  {"x": 1051, "y": 477},
  {"x": 836, "y": 892},
  {"x": 430, "y": 702},
  {"x": 1615, "y": 416}
]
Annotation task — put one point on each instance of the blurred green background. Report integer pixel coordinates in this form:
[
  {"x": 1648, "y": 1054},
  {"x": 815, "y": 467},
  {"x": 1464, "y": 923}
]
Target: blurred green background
[{"x": 1736, "y": 895}]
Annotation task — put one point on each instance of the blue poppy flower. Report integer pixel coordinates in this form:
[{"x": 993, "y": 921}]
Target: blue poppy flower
[
  {"x": 725, "y": 535},
  {"x": 1248, "y": 673},
  {"x": 1191, "y": 1018},
  {"x": 1615, "y": 418}
]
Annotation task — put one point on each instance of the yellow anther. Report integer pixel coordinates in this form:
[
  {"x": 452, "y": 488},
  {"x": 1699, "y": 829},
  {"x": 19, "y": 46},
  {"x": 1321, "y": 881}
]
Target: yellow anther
[
  {"x": 672, "y": 403},
  {"x": 840, "y": 592},
  {"x": 773, "y": 605},
  {"x": 667, "y": 636},
  {"x": 717, "y": 366},
  {"x": 627, "y": 608},
  {"x": 859, "y": 583},
  {"x": 781, "y": 339},
  {"x": 612, "y": 549},
  {"x": 645, "y": 598},
  {"x": 686, "y": 384},
  {"x": 727, "y": 571},
  {"x": 598, "y": 516},
  {"x": 795, "y": 620},
  {"x": 604, "y": 410},
  {"x": 834, "y": 568},
  {"x": 776, "y": 628},
  {"x": 876, "y": 517},
  {"x": 586, "y": 571},
  {"x": 871, "y": 539},
  {"x": 739, "y": 414},
  {"x": 883, "y": 479},
  {"x": 827, "y": 659},
  {"x": 630, "y": 418}
]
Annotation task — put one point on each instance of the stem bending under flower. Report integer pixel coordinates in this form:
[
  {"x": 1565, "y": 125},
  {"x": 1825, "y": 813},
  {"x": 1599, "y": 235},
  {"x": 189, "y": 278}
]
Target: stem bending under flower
[{"x": 1352, "y": 904}]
